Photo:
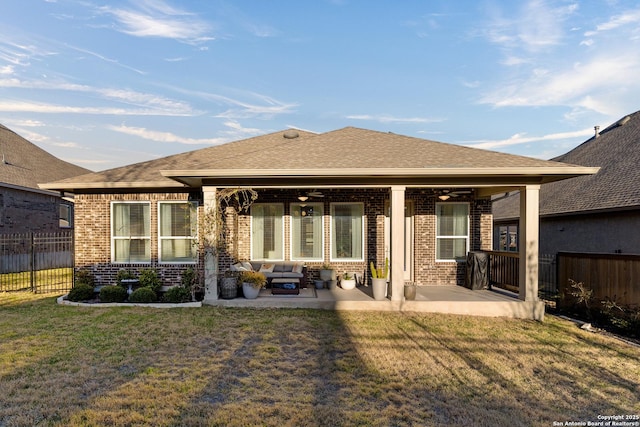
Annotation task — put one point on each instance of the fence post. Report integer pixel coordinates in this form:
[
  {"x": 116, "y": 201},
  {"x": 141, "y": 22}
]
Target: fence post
[{"x": 32, "y": 255}]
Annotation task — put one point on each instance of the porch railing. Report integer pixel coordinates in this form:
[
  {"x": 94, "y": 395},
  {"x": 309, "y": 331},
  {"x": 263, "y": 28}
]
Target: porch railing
[{"x": 504, "y": 271}]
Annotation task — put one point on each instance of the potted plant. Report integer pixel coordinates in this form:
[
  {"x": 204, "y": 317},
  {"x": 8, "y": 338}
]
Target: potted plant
[
  {"x": 252, "y": 282},
  {"x": 348, "y": 281},
  {"x": 327, "y": 273},
  {"x": 379, "y": 280}
]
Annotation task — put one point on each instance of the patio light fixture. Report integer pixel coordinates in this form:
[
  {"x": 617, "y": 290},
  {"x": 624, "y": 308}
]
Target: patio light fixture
[{"x": 303, "y": 198}]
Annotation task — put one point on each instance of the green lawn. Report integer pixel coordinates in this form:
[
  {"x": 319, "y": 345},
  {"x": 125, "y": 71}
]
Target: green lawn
[{"x": 208, "y": 366}]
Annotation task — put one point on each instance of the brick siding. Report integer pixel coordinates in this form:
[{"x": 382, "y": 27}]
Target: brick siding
[
  {"x": 93, "y": 244},
  {"x": 26, "y": 211}
]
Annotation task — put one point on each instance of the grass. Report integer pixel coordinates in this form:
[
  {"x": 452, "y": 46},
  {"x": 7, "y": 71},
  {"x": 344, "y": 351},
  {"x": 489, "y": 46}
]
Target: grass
[
  {"x": 126, "y": 366},
  {"x": 49, "y": 279}
]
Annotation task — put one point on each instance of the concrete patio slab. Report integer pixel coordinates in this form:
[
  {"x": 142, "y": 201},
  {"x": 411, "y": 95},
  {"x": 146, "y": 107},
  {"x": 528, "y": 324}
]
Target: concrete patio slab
[{"x": 431, "y": 299}]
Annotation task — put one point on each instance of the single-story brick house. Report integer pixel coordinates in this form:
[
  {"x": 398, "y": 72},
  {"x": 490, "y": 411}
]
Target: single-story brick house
[{"x": 345, "y": 197}]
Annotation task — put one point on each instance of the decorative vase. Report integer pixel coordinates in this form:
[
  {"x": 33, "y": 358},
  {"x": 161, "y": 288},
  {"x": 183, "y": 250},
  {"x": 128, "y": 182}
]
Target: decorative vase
[
  {"x": 379, "y": 289},
  {"x": 229, "y": 288},
  {"x": 409, "y": 292},
  {"x": 249, "y": 291},
  {"x": 326, "y": 275},
  {"x": 348, "y": 283}
]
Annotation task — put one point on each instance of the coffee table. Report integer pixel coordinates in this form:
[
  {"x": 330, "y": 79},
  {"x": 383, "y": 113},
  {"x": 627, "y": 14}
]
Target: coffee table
[{"x": 278, "y": 288}]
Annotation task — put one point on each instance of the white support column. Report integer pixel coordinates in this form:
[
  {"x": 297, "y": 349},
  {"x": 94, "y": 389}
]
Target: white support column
[
  {"x": 528, "y": 244},
  {"x": 210, "y": 254},
  {"x": 397, "y": 243}
]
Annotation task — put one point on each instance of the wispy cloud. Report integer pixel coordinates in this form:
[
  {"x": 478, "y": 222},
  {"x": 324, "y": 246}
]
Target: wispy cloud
[
  {"x": 156, "y": 18},
  {"x": 522, "y": 138},
  {"x": 617, "y": 21},
  {"x": 578, "y": 85},
  {"x": 536, "y": 26},
  {"x": 266, "y": 109},
  {"x": 151, "y": 102},
  {"x": 47, "y": 108},
  {"x": 383, "y": 118},
  {"x": 159, "y": 136}
]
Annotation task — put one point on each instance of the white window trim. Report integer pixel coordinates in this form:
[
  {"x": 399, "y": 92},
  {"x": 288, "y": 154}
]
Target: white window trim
[
  {"x": 114, "y": 238},
  {"x": 251, "y": 234},
  {"x": 467, "y": 237},
  {"x": 364, "y": 231},
  {"x": 194, "y": 239},
  {"x": 291, "y": 257}
]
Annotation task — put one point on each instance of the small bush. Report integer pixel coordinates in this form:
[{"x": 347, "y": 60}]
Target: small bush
[
  {"x": 144, "y": 294},
  {"x": 81, "y": 292},
  {"x": 177, "y": 294},
  {"x": 83, "y": 277},
  {"x": 113, "y": 293},
  {"x": 149, "y": 279}
]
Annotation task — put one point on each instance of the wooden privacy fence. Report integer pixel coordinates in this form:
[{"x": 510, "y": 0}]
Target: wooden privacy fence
[
  {"x": 610, "y": 276},
  {"x": 39, "y": 262}
]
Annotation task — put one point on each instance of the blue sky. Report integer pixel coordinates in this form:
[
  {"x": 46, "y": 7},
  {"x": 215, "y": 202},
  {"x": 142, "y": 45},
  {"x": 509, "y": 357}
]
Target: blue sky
[{"x": 108, "y": 83}]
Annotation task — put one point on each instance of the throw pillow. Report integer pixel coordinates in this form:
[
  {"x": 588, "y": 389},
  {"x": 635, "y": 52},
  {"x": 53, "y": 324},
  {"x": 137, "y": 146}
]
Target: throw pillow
[
  {"x": 267, "y": 268},
  {"x": 247, "y": 265},
  {"x": 297, "y": 267}
]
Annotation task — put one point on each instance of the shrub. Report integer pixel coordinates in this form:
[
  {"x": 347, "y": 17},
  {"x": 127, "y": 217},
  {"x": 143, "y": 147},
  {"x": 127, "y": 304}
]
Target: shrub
[
  {"x": 177, "y": 294},
  {"x": 144, "y": 294},
  {"x": 149, "y": 279},
  {"x": 81, "y": 292},
  {"x": 83, "y": 277},
  {"x": 113, "y": 293}
]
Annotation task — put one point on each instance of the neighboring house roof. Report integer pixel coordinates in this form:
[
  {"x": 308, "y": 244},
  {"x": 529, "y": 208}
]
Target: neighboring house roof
[
  {"x": 616, "y": 150},
  {"x": 348, "y": 152},
  {"x": 23, "y": 164}
]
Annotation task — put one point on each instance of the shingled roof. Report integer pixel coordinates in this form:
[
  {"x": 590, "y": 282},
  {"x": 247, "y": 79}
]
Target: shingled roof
[
  {"x": 23, "y": 164},
  {"x": 616, "y": 150},
  {"x": 351, "y": 151}
]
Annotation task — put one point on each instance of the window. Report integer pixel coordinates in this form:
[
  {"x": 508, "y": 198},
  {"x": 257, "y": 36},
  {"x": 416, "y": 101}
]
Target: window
[
  {"x": 347, "y": 225},
  {"x": 509, "y": 238},
  {"x": 307, "y": 231},
  {"x": 452, "y": 231},
  {"x": 177, "y": 232},
  {"x": 130, "y": 232},
  {"x": 65, "y": 216},
  {"x": 267, "y": 231}
]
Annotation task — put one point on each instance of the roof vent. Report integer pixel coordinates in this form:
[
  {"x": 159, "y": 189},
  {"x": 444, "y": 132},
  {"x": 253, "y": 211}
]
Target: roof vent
[
  {"x": 291, "y": 134},
  {"x": 623, "y": 121},
  {"x": 597, "y": 131}
]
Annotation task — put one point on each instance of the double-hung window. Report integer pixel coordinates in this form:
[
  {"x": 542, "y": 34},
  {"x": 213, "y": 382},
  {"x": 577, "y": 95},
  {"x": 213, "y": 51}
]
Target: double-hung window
[
  {"x": 267, "y": 231},
  {"x": 130, "y": 232},
  {"x": 347, "y": 225},
  {"x": 307, "y": 231},
  {"x": 178, "y": 222},
  {"x": 452, "y": 231}
]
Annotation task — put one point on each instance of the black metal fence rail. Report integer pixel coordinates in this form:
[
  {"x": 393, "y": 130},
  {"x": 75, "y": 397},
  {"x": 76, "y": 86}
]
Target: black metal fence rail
[{"x": 39, "y": 262}]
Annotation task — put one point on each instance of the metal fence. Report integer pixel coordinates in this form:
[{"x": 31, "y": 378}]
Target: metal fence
[
  {"x": 37, "y": 262},
  {"x": 504, "y": 272}
]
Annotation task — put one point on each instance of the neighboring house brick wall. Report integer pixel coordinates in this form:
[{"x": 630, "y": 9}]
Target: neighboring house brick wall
[
  {"x": 24, "y": 211},
  {"x": 606, "y": 232}
]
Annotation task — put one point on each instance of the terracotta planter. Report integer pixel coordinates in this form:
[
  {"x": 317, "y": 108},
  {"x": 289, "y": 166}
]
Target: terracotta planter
[{"x": 379, "y": 289}]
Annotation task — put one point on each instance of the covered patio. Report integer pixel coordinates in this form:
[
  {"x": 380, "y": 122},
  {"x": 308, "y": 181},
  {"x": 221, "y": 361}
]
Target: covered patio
[{"x": 429, "y": 299}]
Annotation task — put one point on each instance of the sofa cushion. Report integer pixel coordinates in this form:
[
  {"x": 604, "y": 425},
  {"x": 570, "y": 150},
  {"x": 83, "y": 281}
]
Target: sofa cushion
[{"x": 267, "y": 268}]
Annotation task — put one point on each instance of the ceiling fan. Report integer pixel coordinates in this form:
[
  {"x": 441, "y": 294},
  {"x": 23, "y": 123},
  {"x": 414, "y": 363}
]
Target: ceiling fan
[
  {"x": 310, "y": 194},
  {"x": 447, "y": 194}
]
